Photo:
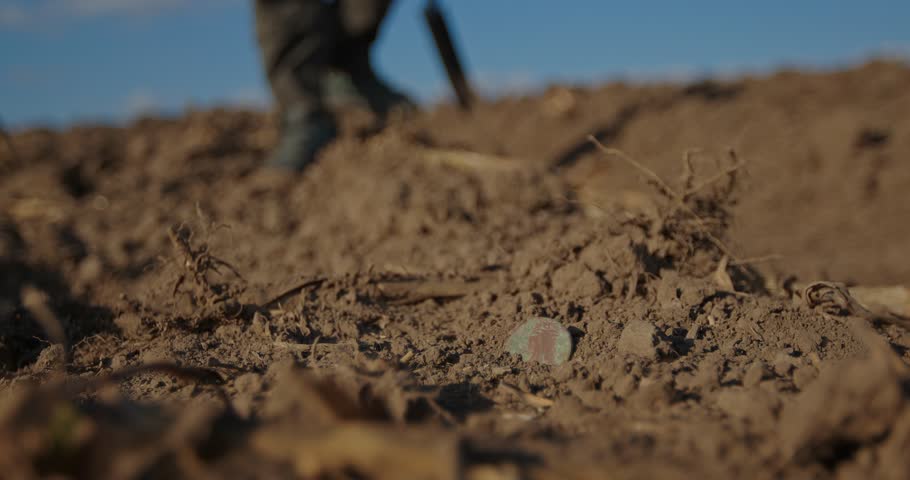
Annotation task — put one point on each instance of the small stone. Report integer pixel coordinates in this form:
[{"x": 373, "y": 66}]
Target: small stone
[
  {"x": 638, "y": 338},
  {"x": 542, "y": 340},
  {"x": 564, "y": 373}
]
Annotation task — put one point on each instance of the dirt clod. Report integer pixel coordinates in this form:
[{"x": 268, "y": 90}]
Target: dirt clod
[{"x": 639, "y": 337}]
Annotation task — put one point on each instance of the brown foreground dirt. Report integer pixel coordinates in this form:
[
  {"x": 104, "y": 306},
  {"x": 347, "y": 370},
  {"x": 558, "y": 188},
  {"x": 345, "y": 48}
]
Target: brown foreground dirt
[{"x": 169, "y": 309}]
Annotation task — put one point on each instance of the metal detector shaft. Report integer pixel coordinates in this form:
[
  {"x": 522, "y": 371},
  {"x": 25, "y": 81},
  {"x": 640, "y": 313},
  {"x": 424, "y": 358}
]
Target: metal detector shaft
[{"x": 443, "y": 40}]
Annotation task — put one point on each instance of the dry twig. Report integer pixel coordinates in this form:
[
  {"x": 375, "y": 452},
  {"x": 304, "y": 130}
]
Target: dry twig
[
  {"x": 835, "y": 299},
  {"x": 530, "y": 399},
  {"x": 281, "y": 297},
  {"x": 197, "y": 263},
  {"x": 473, "y": 161},
  {"x": 409, "y": 292},
  {"x": 36, "y": 302},
  {"x": 678, "y": 199}
]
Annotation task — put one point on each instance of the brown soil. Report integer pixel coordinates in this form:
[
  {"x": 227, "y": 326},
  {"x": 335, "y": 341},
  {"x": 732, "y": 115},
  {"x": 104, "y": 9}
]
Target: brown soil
[{"x": 223, "y": 320}]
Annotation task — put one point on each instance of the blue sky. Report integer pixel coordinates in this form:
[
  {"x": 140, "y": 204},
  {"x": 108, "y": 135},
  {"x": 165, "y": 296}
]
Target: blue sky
[{"x": 68, "y": 60}]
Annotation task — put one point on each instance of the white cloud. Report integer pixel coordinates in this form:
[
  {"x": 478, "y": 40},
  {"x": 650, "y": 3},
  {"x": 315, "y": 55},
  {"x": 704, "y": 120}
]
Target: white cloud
[
  {"x": 250, "y": 97},
  {"x": 894, "y": 50},
  {"x": 141, "y": 102},
  {"x": 146, "y": 101},
  {"x": 497, "y": 84},
  {"x": 663, "y": 74},
  {"x": 487, "y": 84}
]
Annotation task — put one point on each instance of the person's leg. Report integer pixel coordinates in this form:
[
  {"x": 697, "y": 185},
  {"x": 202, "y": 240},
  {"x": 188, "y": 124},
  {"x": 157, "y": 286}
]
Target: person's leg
[
  {"x": 316, "y": 54},
  {"x": 361, "y": 20},
  {"x": 299, "y": 42}
]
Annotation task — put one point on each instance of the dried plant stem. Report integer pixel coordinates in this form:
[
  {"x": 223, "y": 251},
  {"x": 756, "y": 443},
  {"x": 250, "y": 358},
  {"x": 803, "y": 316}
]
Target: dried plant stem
[{"x": 668, "y": 191}]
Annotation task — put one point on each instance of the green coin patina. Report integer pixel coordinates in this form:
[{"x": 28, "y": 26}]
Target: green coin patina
[{"x": 541, "y": 340}]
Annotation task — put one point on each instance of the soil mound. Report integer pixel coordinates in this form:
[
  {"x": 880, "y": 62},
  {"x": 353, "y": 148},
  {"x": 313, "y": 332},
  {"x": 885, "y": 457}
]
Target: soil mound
[{"x": 170, "y": 309}]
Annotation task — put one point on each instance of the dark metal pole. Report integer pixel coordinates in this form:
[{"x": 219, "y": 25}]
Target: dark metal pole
[{"x": 443, "y": 39}]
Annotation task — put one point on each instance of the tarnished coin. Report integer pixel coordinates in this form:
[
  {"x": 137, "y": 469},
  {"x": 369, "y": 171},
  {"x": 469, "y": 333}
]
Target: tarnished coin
[{"x": 541, "y": 340}]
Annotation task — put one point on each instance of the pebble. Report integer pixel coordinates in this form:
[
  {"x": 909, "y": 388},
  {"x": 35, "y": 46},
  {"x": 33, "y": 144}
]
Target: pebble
[
  {"x": 541, "y": 340},
  {"x": 639, "y": 337}
]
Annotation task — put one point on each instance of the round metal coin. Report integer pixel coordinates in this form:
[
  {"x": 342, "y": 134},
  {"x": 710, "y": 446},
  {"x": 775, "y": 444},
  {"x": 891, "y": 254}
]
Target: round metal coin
[{"x": 541, "y": 340}]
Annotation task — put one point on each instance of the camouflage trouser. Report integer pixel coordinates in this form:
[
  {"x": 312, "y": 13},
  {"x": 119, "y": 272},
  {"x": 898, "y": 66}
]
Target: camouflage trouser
[{"x": 301, "y": 39}]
